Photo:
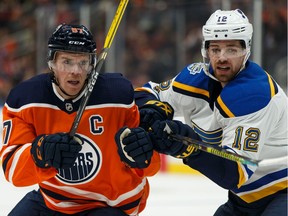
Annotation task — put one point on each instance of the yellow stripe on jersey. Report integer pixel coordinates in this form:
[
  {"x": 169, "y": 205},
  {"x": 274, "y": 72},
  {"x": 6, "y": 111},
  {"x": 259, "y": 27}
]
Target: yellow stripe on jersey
[
  {"x": 142, "y": 89},
  {"x": 191, "y": 89},
  {"x": 242, "y": 176},
  {"x": 272, "y": 88},
  {"x": 224, "y": 107},
  {"x": 256, "y": 195}
]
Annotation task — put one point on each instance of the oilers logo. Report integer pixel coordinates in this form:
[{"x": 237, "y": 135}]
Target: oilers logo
[{"x": 86, "y": 166}]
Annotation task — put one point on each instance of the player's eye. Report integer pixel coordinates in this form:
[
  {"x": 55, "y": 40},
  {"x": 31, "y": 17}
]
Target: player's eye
[
  {"x": 67, "y": 62},
  {"x": 232, "y": 51},
  {"x": 215, "y": 51},
  {"x": 84, "y": 63}
]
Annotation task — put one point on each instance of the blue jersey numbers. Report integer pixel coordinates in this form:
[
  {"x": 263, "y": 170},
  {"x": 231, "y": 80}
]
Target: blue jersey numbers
[{"x": 252, "y": 136}]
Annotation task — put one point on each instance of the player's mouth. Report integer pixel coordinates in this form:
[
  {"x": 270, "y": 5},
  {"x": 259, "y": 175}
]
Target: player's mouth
[
  {"x": 74, "y": 82},
  {"x": 223, "y": 69}
]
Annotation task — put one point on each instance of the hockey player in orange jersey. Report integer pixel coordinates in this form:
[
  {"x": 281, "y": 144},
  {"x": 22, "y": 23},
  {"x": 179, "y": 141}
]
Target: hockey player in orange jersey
[{"x": 83, "y": 175}]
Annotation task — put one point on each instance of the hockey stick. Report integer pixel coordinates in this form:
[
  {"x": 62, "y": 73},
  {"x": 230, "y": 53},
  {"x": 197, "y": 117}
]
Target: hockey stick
[
  {"x": 215, "y": 150},
  {"x": 95, "y": 72}
]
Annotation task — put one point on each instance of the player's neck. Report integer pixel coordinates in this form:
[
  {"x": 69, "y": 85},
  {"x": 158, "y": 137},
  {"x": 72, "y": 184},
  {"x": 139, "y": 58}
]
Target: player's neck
[{"x": 63, "y": 94}]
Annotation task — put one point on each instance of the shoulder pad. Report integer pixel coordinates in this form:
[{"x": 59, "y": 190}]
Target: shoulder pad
[
  {"x": 30, "y": 91},
  {"x": 249, "y": 92},
  {"x": 112, "y": 88},
  {"x": 192, "y": 81}
]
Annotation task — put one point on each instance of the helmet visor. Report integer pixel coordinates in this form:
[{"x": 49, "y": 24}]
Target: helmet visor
[
  {"x": 75, "y": 62},
  {"x": 228, "y": 52}
]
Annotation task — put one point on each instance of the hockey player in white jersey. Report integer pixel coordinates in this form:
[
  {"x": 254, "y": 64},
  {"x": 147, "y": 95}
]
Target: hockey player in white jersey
[{"x": 231, "y": 102}]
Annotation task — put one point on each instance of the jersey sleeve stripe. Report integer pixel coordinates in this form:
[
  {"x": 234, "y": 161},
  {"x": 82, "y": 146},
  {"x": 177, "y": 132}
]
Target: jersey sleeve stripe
[
  {"x": 16, "y": 160},
  {"x": 9, "y": 151},
  {"x": 211, "y": 137}
]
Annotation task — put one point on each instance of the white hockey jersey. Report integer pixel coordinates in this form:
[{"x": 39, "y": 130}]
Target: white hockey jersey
[{"x": 248, "y": 116}]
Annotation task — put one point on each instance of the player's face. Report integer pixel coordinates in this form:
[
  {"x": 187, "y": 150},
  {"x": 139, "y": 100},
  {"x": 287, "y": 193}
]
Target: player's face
[
  {"x": 71, "y": 71},
  {"x": 226, "y": 58}
]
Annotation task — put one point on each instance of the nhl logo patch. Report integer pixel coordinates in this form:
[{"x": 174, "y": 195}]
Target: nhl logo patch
[{"x": 69, "y": 107}]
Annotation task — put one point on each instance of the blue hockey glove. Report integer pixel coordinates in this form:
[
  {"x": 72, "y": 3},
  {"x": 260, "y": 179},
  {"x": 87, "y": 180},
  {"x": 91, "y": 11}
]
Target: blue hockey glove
[
  {"x": 154, "y": 110},
  {"x": 134, "y": 147},
  {"x": 159, "y": 135},
  {"x": 56, "y": 150}
]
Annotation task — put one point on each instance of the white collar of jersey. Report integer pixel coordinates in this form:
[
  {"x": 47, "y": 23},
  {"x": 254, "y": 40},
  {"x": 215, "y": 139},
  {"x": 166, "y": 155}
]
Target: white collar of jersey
[{"x": 54, "y": 86}]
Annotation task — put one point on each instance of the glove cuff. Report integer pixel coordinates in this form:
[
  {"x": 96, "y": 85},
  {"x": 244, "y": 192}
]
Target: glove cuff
[
  {"x": 37, "y": 150},
  {"x": 186, "y": 151},
  {"x": 163, "y": 108}
]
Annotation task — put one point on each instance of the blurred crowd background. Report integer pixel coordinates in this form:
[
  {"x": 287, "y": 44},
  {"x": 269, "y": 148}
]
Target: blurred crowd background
[{"x": 155, "y": 39}]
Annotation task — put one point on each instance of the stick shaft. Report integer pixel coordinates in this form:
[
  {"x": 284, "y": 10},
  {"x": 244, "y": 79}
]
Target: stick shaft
[
  {"x": 95, "y": 72},
  {"x": 215, "y": 150}
]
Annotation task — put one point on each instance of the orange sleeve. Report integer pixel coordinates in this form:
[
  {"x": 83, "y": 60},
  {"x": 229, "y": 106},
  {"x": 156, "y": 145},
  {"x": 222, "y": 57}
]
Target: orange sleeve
[{"x": 18, "y": 165}]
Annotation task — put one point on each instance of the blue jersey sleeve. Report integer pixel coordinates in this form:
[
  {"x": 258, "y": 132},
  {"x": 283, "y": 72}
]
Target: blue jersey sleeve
[{"x": 222, "y": 171}]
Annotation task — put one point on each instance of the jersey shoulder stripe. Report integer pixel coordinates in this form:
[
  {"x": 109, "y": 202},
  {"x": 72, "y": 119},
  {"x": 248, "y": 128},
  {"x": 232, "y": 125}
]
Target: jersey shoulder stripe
[
  {"x": 249, "y": 92},
  {"x": 192, "y": 81}
]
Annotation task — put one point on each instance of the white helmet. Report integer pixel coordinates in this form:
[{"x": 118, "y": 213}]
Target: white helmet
[{"x": 227, "y": 25}]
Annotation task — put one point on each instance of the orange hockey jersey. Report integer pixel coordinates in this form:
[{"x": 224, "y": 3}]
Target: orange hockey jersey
[{"x": 98, "y": 177}]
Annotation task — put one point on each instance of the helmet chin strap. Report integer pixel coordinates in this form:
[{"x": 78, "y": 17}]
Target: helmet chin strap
[
  {"x": 245, "y": 60},
  {"x": 206, "y": 70}
]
